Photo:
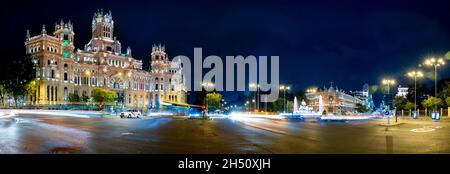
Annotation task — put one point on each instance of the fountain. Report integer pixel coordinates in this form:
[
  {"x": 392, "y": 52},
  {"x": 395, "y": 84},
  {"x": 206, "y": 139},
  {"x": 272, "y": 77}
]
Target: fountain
[
  {"x": 295, "y": 104},
  {"x": 306, "y": 111},
  {"x": 320, "y": 105}
]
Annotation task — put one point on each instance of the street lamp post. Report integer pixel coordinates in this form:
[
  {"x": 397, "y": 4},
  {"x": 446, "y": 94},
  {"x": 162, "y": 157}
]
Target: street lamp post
[
  {"x": 435, "y": 63},
  {"x": 284, "y": 88},
  {"x": 254, "y": 104},
  {"x": 311, "y": 90},
  {"x": 255, "y": 94},
  {"x": 284, "y": 95},
  {"x": 207, "y": 85},
  {"x": 389, "y": 82},
  {"x": 415, "y": 74},
  {"x": 258, "y": 99}
]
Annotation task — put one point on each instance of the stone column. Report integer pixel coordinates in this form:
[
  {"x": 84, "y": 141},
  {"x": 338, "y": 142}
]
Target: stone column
[{"x": 448, "y": 111}]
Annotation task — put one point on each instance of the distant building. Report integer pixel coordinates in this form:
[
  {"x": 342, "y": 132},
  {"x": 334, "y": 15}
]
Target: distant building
[
  {"x": 364, "y": 96},
  {"x": 334, "y": 100},
  {"x": 402, "y": 91}
]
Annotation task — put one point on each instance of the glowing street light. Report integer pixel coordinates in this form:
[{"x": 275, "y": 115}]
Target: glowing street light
[
  {"x": 389, "y": 82},
  {"x": 415, "y": 74},
  {"x": 284, "y": 89},
  {"x": 311, "y": 90},
  {"x": 207, "y": 85},
  {"x": 435, "y": 62},
  {"x": 256, "y": 95}
]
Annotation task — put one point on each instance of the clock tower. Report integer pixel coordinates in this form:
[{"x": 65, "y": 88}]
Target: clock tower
[{"x": 103, "y": 38}]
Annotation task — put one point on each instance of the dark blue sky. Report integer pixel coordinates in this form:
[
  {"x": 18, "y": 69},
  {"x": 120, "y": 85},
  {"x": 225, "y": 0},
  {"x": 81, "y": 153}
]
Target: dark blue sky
[{"x": 347, "y": 42}]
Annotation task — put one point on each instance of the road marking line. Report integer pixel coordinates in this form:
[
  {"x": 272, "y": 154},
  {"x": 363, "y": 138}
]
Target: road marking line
[{"x": 421, "y": 130}]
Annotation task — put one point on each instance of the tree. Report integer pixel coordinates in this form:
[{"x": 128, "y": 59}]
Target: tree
[
  {"x": 278, "y": 105},
  {"x": 445, "y": 92},
  {"x": 422, "y": 92},
  {"x": 447, "y": 101},
  {"x": 409, "y": 106},
  {"x": 3, "y": 93},
  {"x": 73, "y": 97},
  {"x": 431, "y": 101},
  {"x": 400, "y": 102},
  {"x": 102, "y": 95},
  {"x": 84, "y": 98},
  {"x": 16, "y": 75},
  {"x": 360, "y": 108},
  {"x": 31, "y": 87},
  {"x": 213, "y": 101}
]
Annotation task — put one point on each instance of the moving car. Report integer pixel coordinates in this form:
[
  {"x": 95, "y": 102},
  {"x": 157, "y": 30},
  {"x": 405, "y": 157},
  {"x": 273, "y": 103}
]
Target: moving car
[{"x": 130, "y": 114}]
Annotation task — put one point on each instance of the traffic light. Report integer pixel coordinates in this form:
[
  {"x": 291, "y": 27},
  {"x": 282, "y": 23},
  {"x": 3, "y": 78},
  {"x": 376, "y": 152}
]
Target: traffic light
[{"x": 203, "y": 107}]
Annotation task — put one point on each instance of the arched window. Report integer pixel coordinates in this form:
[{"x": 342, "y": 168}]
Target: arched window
[
  {"x": 66, "y": 93},
  {"x": 48, "y": 92},
  {"x": 65, "y": 76},
  {"x": 51, "y": 94}
]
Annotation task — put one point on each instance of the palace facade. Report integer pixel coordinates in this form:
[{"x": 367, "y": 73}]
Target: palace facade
[
  {"x": 334, "y": 100},
  {"x": 61, "y": 71}
]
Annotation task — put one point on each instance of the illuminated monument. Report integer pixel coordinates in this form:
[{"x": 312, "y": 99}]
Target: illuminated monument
[{"x": 62, "y": 71}]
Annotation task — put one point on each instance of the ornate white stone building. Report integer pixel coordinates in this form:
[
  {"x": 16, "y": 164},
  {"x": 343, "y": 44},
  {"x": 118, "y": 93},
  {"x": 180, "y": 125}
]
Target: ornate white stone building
[
  {"x": 62, "y": 71},
  {"x": 334, "y": 100}
]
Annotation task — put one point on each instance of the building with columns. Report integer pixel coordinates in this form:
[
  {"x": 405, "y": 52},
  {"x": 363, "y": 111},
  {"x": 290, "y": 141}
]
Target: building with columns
[
  {"x": 62, "y": 71},
  {"x": 333, "y": 100}
]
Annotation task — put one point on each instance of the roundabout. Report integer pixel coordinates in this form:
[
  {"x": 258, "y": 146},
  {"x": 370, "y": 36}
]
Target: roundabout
[{"x": 424, "y": 129}]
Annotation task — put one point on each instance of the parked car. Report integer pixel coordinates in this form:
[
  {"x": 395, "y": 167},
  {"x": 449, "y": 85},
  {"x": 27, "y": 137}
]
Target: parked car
[{"x": 130, "y": 114}]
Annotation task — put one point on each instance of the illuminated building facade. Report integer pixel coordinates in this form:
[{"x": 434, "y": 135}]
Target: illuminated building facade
[
  {"x": 402, "y": 91},
  {"x": 62, "y": 71},
  {"x": 334, "y": 100}
]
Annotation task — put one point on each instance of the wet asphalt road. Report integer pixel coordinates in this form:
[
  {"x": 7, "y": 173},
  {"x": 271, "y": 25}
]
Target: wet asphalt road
[{"x": 54, "y": 134}]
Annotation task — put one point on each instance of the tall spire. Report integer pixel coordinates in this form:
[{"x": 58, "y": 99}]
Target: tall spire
[
  {"x": 28, "y": 34},
  {"x": 129, "y": 51},
  {"x": 43, "y": 30}
]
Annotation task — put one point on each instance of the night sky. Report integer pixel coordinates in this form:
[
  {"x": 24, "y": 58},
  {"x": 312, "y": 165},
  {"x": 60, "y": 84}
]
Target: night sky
[{"x": 347, "y": 42}]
